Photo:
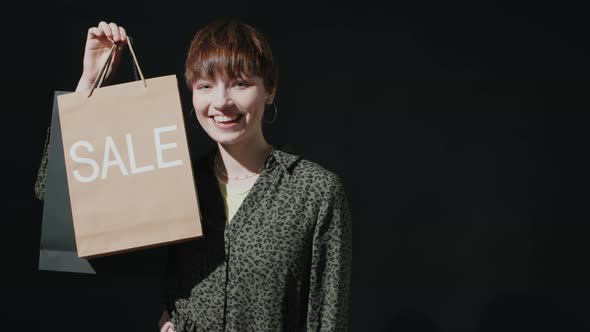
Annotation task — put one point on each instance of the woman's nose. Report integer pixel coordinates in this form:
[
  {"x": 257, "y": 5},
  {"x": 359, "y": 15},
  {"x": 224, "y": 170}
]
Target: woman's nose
[{"x": 222, "y": 99}]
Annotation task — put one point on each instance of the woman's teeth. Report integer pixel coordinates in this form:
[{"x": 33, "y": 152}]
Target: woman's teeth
[{"x": 224, "y": 118}]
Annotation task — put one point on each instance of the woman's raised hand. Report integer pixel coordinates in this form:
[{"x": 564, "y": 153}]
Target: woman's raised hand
[{"x": 99, "y": 41}]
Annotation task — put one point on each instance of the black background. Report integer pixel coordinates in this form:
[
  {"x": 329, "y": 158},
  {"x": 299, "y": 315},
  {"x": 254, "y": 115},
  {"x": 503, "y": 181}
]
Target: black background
[{"x": 459, "y": 129}]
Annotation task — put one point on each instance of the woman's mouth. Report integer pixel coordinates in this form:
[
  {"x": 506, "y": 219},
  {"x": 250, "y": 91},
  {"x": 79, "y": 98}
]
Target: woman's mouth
[{"x": 227, "y": 121}]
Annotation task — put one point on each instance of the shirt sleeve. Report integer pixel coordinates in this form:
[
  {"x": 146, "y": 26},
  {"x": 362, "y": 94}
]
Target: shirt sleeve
[
  {"x": 329, "y": 291},
  {"x": 42, "y": 172}
]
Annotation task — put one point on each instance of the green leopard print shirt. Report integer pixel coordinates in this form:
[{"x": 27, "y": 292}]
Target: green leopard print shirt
[{"x": 282, "y": 264}]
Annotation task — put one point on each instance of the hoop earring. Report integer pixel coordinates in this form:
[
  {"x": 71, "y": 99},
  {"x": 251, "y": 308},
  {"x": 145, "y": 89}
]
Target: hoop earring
[{"x": 275, "y": 116}]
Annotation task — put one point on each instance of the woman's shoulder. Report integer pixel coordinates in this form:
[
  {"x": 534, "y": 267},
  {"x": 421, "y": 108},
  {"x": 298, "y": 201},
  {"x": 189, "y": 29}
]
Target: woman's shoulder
[
  {"x": 308, "y": 172},
  {"x": 307, "y": 168}
]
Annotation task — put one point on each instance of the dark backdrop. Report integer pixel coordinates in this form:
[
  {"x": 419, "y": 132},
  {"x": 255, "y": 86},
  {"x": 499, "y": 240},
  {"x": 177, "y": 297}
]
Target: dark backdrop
[{"x": 459, "y": 130}]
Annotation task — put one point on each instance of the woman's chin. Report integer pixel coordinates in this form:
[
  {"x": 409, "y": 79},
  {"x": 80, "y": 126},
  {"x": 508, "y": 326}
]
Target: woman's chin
[{"x": 227, "y": 138}]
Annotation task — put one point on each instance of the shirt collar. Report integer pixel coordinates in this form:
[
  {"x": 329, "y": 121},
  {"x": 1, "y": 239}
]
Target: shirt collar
[{"x": 283, "y": 155}]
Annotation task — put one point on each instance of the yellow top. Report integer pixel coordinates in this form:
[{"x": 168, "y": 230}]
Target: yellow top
[{"x": 232, "y": 199}]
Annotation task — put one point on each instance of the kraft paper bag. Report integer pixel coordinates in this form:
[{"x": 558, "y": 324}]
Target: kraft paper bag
[{"x": 129, "y": 174}]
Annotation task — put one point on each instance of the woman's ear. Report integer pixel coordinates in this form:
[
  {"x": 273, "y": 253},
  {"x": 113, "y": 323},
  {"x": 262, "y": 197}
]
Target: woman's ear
[{"x": 270, "y": 95}]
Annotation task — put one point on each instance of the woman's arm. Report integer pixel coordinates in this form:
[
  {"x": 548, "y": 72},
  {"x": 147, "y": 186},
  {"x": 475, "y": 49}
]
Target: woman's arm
[
  {"x": 99, "y": 40},
  {"x": 329, "y": 297}
]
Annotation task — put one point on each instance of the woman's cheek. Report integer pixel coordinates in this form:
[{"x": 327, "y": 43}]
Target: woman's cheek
[{"x": 202, "y": 119}]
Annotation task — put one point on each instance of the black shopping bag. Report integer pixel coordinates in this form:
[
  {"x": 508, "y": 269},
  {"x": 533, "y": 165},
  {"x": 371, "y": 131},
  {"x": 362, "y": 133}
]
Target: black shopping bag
[{"x": 57, "y": 251}]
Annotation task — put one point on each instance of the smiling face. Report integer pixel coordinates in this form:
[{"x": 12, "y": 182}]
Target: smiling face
[
  {"x": 230, "y": 110},
  {"x": 232, "y": 74}
]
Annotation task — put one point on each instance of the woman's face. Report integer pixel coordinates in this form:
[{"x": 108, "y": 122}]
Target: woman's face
[{"x": 231, "y": 111}]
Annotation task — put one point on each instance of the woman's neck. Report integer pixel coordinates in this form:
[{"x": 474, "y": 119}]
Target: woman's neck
[{"x": 243, "y": 158}]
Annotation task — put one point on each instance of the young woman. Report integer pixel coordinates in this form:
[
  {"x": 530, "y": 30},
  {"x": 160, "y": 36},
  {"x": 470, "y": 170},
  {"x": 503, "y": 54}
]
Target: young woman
[{"x": 276, "y": 251}]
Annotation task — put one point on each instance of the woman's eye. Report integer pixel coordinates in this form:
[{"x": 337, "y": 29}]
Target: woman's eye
[
  {"x": 204, "y": 86},
  {"x": 240, "y": 83}
]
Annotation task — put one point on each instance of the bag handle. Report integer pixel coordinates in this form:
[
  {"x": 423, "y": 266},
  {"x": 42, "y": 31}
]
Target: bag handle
[{"x": 104, "y": 69}]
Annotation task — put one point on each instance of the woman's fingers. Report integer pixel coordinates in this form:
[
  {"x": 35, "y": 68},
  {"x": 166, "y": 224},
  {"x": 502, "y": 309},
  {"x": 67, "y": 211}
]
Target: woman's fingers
[
  {"x": 167, "y": 327},
  {"x": 111, "y": 31},
  {"x": 123, "y": 34},
  {"x": 106, "y": 29},
  {"x": 95, "y": 32},
  {"x": 115, "y": 31}
]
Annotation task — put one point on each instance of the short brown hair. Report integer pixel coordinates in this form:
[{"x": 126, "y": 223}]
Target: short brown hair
[{"x": 228, "y": 48}]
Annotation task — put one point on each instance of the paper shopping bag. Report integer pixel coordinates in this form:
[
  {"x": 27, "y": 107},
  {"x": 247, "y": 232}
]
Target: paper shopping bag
[{"x": 129, "y": 174}]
